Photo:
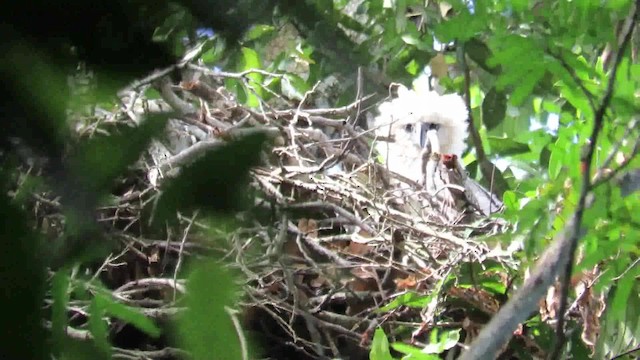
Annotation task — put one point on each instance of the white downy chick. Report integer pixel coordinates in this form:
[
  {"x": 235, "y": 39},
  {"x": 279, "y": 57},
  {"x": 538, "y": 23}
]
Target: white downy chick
[{"x": 402, "y": 119}]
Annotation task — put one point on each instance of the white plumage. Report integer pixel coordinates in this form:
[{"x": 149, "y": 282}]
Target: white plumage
[
  {"x": 424, "y": 124},
  {"x": 400, "y": 118}
]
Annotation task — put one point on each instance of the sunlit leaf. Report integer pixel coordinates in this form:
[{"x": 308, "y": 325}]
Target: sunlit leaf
[
  {"x": 380, "y": 346},
  {"x": 556, "y": 161},
  {"x": 412, "y": 67},
  {"x": 410, "y": 299},
  {"x": 410, "y": 39},
  {"x": 258, "y": 31},
  {"x": 412, "y": 352},
  {"x": 445, "y": 340},
  {"x": 577, "y": 99},
  {"x": 510, "y": 200},
  {"x": 251, "y": 60}
]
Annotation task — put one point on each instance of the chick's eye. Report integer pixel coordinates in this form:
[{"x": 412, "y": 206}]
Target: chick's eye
[{"x": 408, "y": 128}]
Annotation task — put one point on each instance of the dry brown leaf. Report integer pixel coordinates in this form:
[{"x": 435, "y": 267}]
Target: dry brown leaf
[
  {"x": 409, "y": 282},
  {"x": 478, "y": 298},
  {"x": 439, "y": 67},
  {"x": 303, "y": 225},
  {"x": 591, "y": 306},
  {"x": 445, "y": 8},
  {"x": 549, "y": 305},
  {"x": 358, "y": 284},
  {"x": 312, "y": 228},
  {"x": 364, "y": 280},
  {"x": 308, "y": 227},
  {"x": 291, "y": 248},
  {"x": 356, "y": 248},
  {"x": 154, "y": 266},
  {"x": 318, "y": 282}
]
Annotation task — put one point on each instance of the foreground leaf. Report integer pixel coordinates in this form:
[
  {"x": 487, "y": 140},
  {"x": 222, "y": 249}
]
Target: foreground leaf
[
  {"x": 216, "y": 182},
  {"x": 205, "y": 329}
]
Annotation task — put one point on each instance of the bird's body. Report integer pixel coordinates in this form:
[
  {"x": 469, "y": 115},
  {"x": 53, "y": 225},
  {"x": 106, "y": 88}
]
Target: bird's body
[
  {"x": 428, "y": 134},
  {"x": 401, "y": 118}
]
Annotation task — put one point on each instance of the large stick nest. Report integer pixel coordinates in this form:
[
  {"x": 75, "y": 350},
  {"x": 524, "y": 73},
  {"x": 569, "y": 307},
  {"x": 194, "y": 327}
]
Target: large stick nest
[{"x": 340, "y": 253}]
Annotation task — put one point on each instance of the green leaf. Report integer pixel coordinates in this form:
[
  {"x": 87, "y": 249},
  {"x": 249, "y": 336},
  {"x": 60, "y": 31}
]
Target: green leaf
[
  {"x": 412, "y": 67},
  {"x": 507, "y": 146},
  {"x": 98, "y": 329},
  {"x": 251, "y": 60},
  {"x": 445, "y": 340},
  {"x": 215, "y": 182},
  {"x": 413, "y": 37},
  {"x": 128, "y": 314},
  {"x": 350, "y": 23},
  {"x": 494, "y": 108},
  {"x": 237, "y": 88},
  {"x": 97, "y": 162},
  {"x": 409, "y": 299},
  {"x": 537, "y": 105},
  {"x": 557, "y": 158},
  {"x": 80, "y": 350},
  {"x": 412, "y": 352},
  {"x": 212, "y": 55},
  {"x": 620, "y": 327},
  {"x": 461, "y": 27},
  {"x": 258, "y": 31},
  {"x": 552, "y": 107},
  {"x": 410, "y": 39},
  {"x": 401, "y": 16},
  {"x": 23, "y": 283},
  {"x": 622, "y": 293},
  {"x": 479, "y": 52},
  {"x": 577, "y": 99},
  {"x": 524, "y": 87},
  {"x": 475, "y": 95},
  {"x": 60, "y": 295},
  {"x": 296, "y": 83},
  {"x": 172, "y": 24},
  {"x": 206, "y": 328},
  {"x": 510, "y": 200},
  {"x": 519, "y": 5},
  {"x": 380, "y": 346},
  {"x": 304, "y": 53},
  {"x": 494, "y": 286}
]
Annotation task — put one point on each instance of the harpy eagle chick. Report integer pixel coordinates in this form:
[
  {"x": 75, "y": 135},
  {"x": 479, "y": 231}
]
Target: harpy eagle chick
[
  {"x": 429, "y": 132},
  {"x": 404, "y": 118}
]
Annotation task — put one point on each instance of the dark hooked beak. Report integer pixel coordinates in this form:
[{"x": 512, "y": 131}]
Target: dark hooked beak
[{"x": 427, "y": 131}]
